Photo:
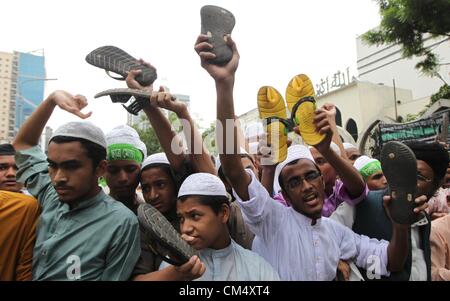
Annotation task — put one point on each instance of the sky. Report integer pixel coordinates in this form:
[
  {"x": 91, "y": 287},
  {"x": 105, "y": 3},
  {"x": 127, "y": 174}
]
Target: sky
[{"x": 276, "y": 40}]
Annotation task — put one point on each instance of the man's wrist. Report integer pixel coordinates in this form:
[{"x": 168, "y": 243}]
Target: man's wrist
[
  {"x": 182, "y": 112},
  {"x": 225, "y": 82}
]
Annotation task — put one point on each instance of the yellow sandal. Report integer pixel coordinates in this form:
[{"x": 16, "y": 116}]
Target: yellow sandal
[
  {"x": 272, "y": 110},
  {"x": 300, "y": 98}
]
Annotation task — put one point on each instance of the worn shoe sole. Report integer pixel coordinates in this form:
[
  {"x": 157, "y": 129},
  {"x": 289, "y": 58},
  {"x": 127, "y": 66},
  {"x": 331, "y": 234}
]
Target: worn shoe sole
[
  {"x": 162, "y": 230},
  {"x": 123, "y": 95},
  {"x": 272, "y": 110},
  {"x": 300, "y": 99},
  {"x": 216, "y": 23},
  {"x": 399, "y": 166},
  {"x": 114, "y": 59}
]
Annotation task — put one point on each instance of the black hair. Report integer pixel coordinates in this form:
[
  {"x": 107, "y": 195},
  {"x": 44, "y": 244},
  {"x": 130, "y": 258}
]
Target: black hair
[
  {"x": 7, "y": 150},
  {"x": 95, "y": 152},
  {"x": 221, "y": 174},
  {"x": 167, "y": 170},
  {"x": 214, "y": 202},
  {"x": 435, "y": 155}
]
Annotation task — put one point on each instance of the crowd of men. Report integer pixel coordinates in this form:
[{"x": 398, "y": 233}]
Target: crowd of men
[{"x": 321, "y": 214}]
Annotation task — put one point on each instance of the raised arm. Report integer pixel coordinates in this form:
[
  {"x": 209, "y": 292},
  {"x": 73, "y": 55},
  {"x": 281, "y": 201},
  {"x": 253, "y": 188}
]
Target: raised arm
[
  {"x": 226, "y": 130},
  {"x": 31, "y": 130},
  {"x": 351, "y": 178},
  {"x": 163, "y": 130},
  {"x": 398, "y": 245},
  {"x": 330, "y": 109},
  {"x": 199, "y": 155}
]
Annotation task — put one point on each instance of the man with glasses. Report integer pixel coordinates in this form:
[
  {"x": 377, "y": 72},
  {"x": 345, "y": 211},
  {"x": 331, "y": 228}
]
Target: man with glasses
[
  {"x": 369, "y": 218},
  {"x": 298, "y": 242}
]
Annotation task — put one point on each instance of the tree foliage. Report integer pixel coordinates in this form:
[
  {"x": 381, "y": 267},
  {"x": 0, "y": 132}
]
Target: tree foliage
[
  {"x": 443, "y": 93},
  {"x": 405, "y": 22}
]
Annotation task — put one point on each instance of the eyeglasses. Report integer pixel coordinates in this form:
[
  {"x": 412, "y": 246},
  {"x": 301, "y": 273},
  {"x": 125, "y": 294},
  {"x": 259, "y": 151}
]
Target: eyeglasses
[
  {"x": 422, "y": 178},
  {"x": 298, "y": 181}
]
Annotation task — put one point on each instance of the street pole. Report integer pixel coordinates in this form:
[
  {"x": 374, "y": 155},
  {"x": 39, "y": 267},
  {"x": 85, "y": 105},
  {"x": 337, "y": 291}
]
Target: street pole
[{"x": 395, "y": 101}]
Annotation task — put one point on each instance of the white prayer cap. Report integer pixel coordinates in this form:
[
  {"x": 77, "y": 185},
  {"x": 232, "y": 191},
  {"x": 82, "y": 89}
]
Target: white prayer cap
[
  {"x": 295, "y": 152},
  {"x": 84, "y": 130},
  {"x": 202, "y": 184},
  {"x": 124, "y": 134},
  {"x": 348, "y": 145},
  {"x": 158, "y": 158},
  {"x": 363, "y": 161},
  {"x": 367, "y": 166}
]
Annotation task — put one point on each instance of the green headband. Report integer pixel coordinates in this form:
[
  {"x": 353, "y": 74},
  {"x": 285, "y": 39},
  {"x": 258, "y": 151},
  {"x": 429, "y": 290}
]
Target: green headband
[
  {"x": 370, "y": 169},
  {"x": 124, "y": 152}
]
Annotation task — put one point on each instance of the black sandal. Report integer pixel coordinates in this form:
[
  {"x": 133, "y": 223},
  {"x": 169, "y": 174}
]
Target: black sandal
[
  {"x": 399, "y": 166},
  {"x": 114, "y": 59},
  {"x": 123, "y": 95},
  {"x": 216, "y": 23},
  {"x": 168, "y": 239}
]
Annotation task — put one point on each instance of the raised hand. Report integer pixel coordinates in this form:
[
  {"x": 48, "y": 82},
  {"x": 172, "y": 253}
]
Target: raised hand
[
  {"x": 70, "y": 103},
  {"x": 421, "y": 205},
  {"x": 191, "y": 270},
  {"x": 165, "y": 100},
  {"x": 219, "y": 73},
  {"x": 330, "y": 110},
  {"x": 131, "y": 78}
]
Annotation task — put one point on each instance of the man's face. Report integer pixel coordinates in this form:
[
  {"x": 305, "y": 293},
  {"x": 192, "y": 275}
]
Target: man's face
[
  {"x": 158, "y": 189},
  {"x": 201, "y": 222},
  {"x": 377, "y": 181},
  {"x": 328, "y": 172},
  {"x": 425, "y": 179},
  {"x": 303, "y": 188},
  {"x": 71, "y": 171},
  {"x": 352, "y": 154},
  {"x": 122, "y": 177},
  {"x": 8, "y": 170}
]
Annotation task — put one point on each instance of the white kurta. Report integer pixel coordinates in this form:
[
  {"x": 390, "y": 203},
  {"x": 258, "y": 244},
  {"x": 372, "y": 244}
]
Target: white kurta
[
  {"x": 234, "y": 263},
  {"x": 299, "y": 250},
  {"x": 345, "y": 214}
]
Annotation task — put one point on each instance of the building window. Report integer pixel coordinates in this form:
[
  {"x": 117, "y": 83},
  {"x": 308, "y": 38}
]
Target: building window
[{"x": 352, "y": 128}]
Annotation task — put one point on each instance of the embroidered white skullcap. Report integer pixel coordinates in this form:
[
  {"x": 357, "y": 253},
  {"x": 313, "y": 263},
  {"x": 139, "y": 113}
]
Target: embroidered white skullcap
[
  {"x": 158, "y": 158},
  {"x": 84, "y": 130},
  {"x": 124, "y": 134},
  {"x": 202, "y": 184},
  {"x": 348, "y": 145},
  {"x": 295, "y": 152}
]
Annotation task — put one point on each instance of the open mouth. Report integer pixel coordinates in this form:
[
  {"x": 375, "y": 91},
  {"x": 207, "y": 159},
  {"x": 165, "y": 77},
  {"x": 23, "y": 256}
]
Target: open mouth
[{"x": 311, "y": 199}]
